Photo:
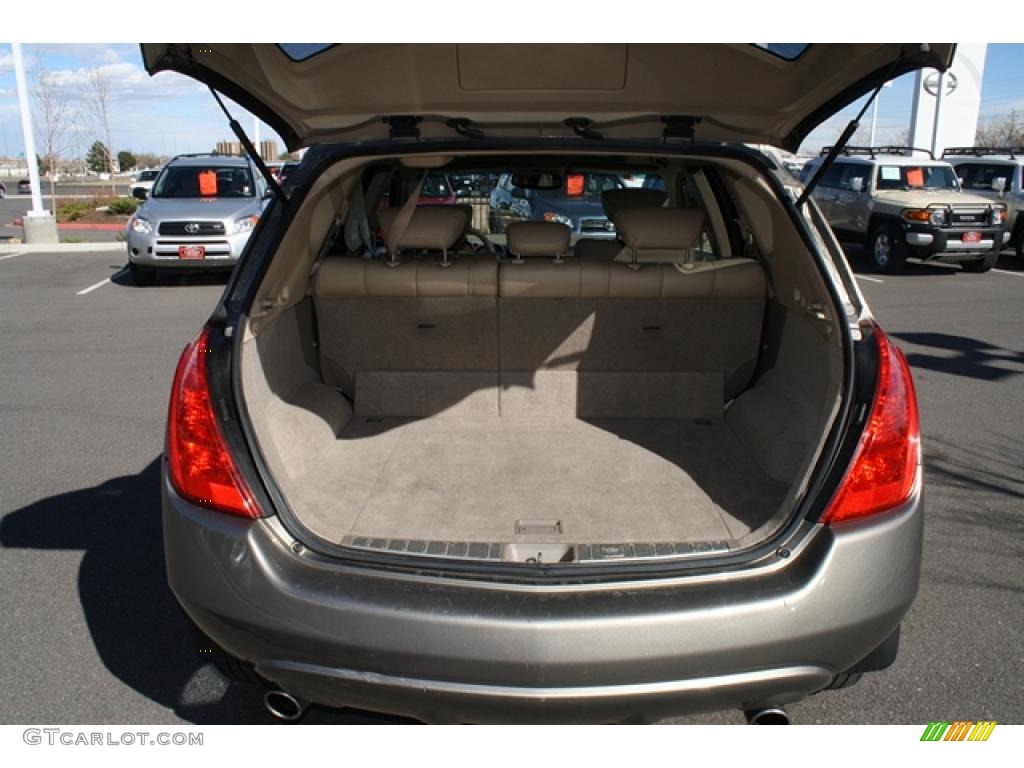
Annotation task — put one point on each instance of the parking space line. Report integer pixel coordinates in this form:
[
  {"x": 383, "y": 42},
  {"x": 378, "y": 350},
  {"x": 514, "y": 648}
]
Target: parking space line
[
  {"x": 91, "y": 288},
  {"x": 1008, "y": 272},
  {"x": 870, "y": 279},
  {"x": 12, "y": 255}
]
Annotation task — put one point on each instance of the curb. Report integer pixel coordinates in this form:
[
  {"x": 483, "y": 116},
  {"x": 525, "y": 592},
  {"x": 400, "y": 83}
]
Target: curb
[
  {"x": 72, "y": 226},
  {"x": 61, "y": 247}
]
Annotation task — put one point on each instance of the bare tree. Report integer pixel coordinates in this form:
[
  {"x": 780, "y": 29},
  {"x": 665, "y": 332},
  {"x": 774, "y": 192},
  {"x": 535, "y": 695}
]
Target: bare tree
[
  {"x": 1004, "y": 131},
  {"x": 97, "y": 103},
  {"x": 55, "y": 114}
]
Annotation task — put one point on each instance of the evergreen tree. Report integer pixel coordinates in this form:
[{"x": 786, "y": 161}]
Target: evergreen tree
[{"x": 97, "y": 159}]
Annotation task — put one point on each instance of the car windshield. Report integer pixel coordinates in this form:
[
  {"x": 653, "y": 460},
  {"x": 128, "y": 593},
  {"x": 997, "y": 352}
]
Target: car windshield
[
  {"x": 204, "y": 181},
  {"x": 917, "y": 177}
]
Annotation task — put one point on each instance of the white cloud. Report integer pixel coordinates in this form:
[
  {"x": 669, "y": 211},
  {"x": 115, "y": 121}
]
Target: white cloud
[{"x": 128, "y": 83}]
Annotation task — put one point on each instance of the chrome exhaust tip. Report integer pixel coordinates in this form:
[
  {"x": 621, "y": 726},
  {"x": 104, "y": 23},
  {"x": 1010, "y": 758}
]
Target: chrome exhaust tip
[
  {"x": 284, "y": 706},
  {"x": 767, "y": 716}
]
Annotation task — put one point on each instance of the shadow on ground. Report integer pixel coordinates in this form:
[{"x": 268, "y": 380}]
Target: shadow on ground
[
  {"x": 140, "y": 633},
  {"x": 962, "y": 356},
  {"x": 169, "y": 278}
]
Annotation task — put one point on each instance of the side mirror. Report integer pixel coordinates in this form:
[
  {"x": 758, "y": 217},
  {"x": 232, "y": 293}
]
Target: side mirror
[
  {"x": 139, "y": 193},
  {"x": 999, "y": 185},
  {"x": 857, "y": 184}
]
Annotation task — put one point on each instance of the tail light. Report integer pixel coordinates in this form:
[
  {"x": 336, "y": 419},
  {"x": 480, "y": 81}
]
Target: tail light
[
  {"x": 202, "y": 470},
  {"x": 574, "y": 184},
  {"x": 884, "y": 467}
]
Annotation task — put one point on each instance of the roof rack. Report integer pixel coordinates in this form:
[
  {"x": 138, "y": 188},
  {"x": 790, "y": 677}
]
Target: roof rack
[
  {"x": 883, "y": 150},
  {"x": 1013, "y": 152}
]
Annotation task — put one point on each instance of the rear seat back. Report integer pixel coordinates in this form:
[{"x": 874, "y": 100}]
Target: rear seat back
[
  {"x": 392, "y": 333},
  {"x": 556, "y": 337},
  {"x": 687, "y": 335}
]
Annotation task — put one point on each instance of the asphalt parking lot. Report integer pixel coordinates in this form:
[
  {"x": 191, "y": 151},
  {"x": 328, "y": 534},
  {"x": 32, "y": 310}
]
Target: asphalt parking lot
[{"x": 91, "y": 633}]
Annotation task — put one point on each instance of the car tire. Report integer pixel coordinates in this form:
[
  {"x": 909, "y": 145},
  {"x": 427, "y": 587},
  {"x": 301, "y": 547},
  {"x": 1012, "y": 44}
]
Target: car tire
[
  {"x": 981, "y": 265},
  {"x": 3, "y": 193},
  {"x": 887, "y": 250},
  {"x": 140, "y": 275},
  {"x": 1018, "y": 249}
]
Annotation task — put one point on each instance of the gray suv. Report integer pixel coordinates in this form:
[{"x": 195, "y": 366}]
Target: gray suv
[
  {"x": 198, "y": 216},
  {"x": 414, "y": 470}
]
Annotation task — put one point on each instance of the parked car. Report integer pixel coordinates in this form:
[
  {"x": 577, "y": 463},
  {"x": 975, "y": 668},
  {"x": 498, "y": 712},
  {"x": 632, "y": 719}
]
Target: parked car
[
  {"x": 286, "y": 170},
  {"x": 462, "y": 487},
  {"x": 576, "y": 203},
  {"x": 898, "y": 204},
  {"x": 142, "y": 184},
  {"x": 24, "y": 187},
  {"x": 199, "y": 215},
  {"x": 995, "y": 173}
]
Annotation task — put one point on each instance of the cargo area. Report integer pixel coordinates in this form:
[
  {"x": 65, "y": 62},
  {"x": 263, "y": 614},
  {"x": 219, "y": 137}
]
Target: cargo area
[{"x": 474, "y": 427}]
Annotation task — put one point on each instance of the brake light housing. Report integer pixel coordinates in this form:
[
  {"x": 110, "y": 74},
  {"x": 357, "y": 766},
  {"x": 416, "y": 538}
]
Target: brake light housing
[
  {"x": 201, "y": 468},
  {"x": 883, "y": 472}
]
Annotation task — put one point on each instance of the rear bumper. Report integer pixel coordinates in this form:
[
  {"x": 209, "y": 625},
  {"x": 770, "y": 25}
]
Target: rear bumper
[{"x": 451, "y": 651}]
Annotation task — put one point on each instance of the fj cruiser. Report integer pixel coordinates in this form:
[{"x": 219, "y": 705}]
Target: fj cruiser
[
  {"x": 998, "y": 174},
  {"x": 899, "y": 205}
]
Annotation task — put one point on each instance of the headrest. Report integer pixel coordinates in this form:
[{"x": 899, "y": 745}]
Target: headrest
[
  {"x": 538, "y": 238},
  {"x": 432, "y": 227},
  {"x": 615, "y": 200},
  {"x": 659, "y": 228}
]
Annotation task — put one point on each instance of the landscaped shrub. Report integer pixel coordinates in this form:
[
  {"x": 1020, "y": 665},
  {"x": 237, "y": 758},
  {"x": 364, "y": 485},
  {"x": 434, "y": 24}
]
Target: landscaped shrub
[
  {"x": 72, "y": 211},
  {"x": 122, "y": 206}
]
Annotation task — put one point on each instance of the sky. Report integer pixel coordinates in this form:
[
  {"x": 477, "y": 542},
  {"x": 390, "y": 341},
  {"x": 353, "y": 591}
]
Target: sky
[
  {"x": 164, "y": 114},
  {"x": 169, "y": 113}
]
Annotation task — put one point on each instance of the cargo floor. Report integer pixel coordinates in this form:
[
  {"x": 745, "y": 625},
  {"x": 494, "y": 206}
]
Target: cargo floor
[{"x": 604, "y": 480}]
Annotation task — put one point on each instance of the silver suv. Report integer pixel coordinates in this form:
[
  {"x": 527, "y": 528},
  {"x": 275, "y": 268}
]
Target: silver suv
[
  {"x": 198, "y": 215},
  {"x": 412, "y": 469},
  {"x": 996, "y": 173},
  {"x": 898, "y": 204}
]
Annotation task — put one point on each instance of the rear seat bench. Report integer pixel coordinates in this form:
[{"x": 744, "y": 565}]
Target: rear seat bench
[{"x": 544, "y": 337}]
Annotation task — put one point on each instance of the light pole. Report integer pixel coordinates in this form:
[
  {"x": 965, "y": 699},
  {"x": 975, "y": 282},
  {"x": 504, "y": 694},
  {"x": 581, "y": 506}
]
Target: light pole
[
  {"x": 939, "y": 91},
  {"x": 874, "y": 114},
  {"x": 40, "y": 226}
]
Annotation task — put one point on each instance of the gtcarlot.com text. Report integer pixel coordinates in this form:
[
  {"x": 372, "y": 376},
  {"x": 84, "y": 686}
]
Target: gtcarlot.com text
[{"x": 74, "y": 738}]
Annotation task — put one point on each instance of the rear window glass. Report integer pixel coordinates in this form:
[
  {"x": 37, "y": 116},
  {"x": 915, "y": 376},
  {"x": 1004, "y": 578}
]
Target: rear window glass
[
  {"x": 979, "y": 176},
  {"x": 148, "y": 175},
  {"x": 303, "y": 51},
  {"x": 204, "y": 181},
  {"x": 787, "y": 51}
]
